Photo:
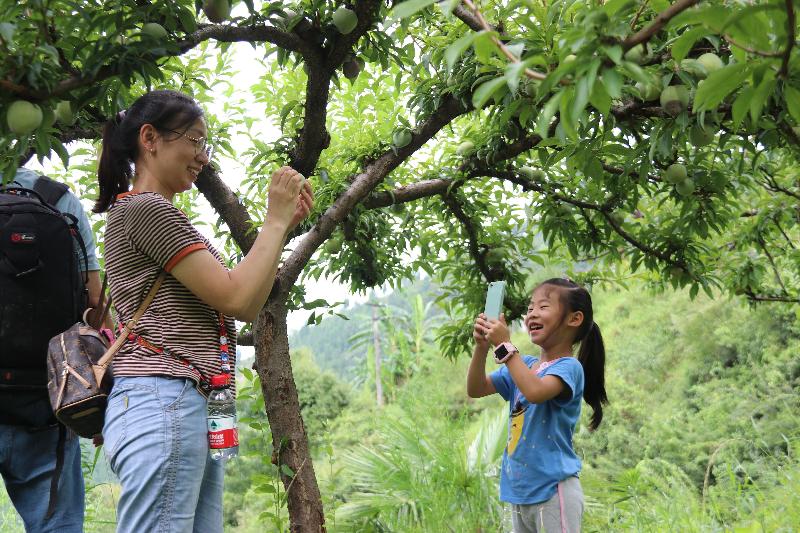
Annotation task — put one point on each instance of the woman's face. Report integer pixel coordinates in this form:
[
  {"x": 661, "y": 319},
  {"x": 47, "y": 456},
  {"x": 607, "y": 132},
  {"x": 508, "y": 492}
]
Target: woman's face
[{"x": 180, "y": 156}]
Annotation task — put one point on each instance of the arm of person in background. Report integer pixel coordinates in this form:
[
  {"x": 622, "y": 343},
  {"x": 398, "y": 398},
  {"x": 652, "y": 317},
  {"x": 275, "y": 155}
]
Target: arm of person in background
[
  {"x": 242, "y": 291},
  {"x": 534, "y": 388},
  {"x": 478, "y": 383}
]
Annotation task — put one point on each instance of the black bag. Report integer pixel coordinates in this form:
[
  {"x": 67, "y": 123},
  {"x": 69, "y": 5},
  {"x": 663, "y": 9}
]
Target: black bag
[
  {"x": 77, "y": 364},
  {"x": 42, "y": 293}
]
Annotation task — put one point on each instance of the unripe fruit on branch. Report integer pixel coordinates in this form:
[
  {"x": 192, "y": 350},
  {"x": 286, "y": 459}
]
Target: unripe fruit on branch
[
  {"x": 700, "y": 136},
  {"x": 352, "y": 68},
  {"x": 64, "y": 113},
  {"x": 401, "y": 138},
  {"x": 675, "y": 173},
  {"x": 154, "y": 30},
  {"x": 534, "y": 174},
  {"x": 636, "y": 54},
  {"x": 217, "y": 10},
  {"x": 334, "y": 245},
  {"x": 465, "y": 148},
  {"x": 710, "y": 61},
  {"x": 685, "y": 187},
  {"x": 675, "y": 99},
  {"x": 345, "y": 20},
  {"x": 23, "y": 117},
  {"x": 648, "y": 91}
]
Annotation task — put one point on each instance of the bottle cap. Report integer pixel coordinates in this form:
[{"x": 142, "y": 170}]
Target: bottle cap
[{"x": 220, "y": 380}]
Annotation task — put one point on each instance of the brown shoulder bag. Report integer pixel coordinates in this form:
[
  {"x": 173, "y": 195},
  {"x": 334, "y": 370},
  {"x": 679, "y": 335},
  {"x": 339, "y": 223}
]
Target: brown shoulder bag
[{"x": 77, "y": 368}]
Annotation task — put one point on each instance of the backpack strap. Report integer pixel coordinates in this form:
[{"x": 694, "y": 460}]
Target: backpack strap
[
  {"x": 62, "y": 438},
  {"x": 51, "y": 191}
]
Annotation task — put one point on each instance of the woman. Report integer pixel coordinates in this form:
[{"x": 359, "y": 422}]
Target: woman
[{"x": 155, "y": 430}]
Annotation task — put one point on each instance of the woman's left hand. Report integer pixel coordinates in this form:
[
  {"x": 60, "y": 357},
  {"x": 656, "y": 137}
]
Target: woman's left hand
[
  {"x": 305, "y": 203},
  {"x": 498, "y": 332}
]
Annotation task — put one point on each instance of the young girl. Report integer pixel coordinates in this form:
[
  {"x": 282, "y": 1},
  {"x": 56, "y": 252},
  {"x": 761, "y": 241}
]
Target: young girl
[
  {"x": 540, "y": 469},
  {"x": 155, "y": 428}
]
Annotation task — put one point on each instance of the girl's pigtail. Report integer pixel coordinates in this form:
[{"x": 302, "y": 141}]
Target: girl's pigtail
[{"x": 592, "y": 356}]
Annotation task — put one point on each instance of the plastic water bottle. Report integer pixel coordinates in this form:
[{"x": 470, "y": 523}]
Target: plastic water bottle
[{"x": 223, "y": 437}]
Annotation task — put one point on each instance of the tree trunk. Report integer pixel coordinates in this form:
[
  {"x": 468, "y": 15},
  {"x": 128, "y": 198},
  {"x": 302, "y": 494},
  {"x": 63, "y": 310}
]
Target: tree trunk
[
  {"x": 289, "y": 439},
  {"x": 376, "y": 342}
]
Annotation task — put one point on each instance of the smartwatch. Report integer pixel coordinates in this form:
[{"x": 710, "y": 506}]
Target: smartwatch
[{"x": 503, "y": 352}]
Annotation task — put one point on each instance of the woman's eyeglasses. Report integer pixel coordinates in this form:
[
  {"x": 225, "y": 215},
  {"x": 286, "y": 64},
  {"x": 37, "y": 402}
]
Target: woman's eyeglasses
[{"x": 201, "y": 144}]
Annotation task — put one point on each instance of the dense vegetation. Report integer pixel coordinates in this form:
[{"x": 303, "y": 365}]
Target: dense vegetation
[{"x": 652, "y": 140}]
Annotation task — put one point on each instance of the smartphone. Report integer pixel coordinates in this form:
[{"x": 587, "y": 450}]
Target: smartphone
[{"x": 494, "y": 299}]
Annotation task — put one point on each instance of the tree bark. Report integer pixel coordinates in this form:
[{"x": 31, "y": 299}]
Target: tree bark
[{"x": 289, "y": 440}]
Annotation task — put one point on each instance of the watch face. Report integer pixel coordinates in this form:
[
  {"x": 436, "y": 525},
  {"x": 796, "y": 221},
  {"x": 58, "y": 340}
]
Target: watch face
[{"x": 501, "y": 351}]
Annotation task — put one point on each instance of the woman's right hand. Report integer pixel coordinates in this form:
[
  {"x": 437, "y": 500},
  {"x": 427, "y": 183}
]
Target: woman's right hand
[
  {"x": 284, "y": 189},
  {"x": 479, "y": 331}
]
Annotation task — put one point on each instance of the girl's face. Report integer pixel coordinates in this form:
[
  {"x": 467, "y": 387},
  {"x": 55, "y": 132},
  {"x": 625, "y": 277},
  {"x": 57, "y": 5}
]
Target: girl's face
[{"x": 548, "y": 323}]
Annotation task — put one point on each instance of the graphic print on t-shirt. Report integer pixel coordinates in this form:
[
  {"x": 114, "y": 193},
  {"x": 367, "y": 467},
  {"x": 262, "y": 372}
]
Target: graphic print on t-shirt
[{"x": 517, "y": 419}]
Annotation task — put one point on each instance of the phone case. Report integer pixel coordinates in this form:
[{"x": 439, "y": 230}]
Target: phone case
[{"x": 494, "y": 299}]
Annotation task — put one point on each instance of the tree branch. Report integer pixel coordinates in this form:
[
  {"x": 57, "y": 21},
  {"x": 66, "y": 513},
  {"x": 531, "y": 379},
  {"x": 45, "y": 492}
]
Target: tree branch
[
  {"x": 775, "y": 271},
  {"x": 222, "y": 33},
  {"x": 360, "y": 187},
  {"x": 790, "y": 32},
  {"x": 469, "y": 18},
  {"x": 227, "y": 204},
  {"x": 455, "y": 207},
  {"x": 644, "y": 35}
]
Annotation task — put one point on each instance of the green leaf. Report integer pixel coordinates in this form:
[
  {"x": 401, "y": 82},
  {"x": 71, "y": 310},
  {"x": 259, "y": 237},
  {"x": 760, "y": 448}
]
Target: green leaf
[
  {"x": 406, "y": 9},
  {"x": 287, "y": 471},
  {"x": 684, "y": 43},
  {"x": 549, "y": 110},
  {"x": 455, "y": 50},
  {"x": 7, "y": 31},
  {"x": 719, "y": 85},
  {"x": 484, "y": 46},
  {"x": 600, "y": 98},
  {"x": 512, "y": 75},
  {"x": 792, "y": 98},
  {"x": 613, "y": 82},
  {"x": 485, "y": 91},
  {"x": 762, "y": 92}
]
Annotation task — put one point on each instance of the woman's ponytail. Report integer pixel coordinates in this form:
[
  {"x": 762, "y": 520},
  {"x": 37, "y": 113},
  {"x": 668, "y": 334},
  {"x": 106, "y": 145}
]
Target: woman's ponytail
[
  {"x": 592, "y": 356},
  {"x": 114, "y": 172}
]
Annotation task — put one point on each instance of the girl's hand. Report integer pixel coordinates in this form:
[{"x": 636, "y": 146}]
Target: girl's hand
[
  {"x": 305, "y": 203},
  {"x": 284, "y": 189},
  {"x": 498, "y": 332},
  {"x": 479, "y": 331}
]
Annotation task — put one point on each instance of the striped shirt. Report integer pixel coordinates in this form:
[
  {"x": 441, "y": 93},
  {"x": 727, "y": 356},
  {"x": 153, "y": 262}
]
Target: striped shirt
[{"x": 145, "y": 233}]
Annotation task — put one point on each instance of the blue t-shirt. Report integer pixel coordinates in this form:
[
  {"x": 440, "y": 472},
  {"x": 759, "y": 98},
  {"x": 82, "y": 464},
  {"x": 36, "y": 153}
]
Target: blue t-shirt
[
  {"x": 68, "y": 203},
  {"x": 539, "y": 450}
]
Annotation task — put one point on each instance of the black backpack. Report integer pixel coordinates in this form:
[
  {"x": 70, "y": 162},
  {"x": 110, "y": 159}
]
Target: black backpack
[{"x": 42, "y": 293}]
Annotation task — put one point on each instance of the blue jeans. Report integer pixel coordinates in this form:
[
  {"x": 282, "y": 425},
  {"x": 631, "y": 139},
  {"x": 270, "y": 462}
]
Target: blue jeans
[
  {"x": 27, "y": 464},
  {"x": 156, "y": 442}
]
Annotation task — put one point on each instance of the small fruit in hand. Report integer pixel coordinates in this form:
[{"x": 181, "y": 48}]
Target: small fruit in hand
[
  {"x": 217, "y": 10},
  {"x": 685, "y": 187},
  {"x": 675, "y": 99},
  {"x": 401, "y": 138},
  {"x": 711, "y": 62},
  {"x": 700, "y": 136},
  {"x": 154, "y": 30},
  {"x": 465, "y": 148},
  {"x": 675, "y": 173},
  {"x": 23, "y": 117},
  {"x": 64, "y": 113},
  {"x": 345, "y": 20},
  {"x": 636, "y": 54}
]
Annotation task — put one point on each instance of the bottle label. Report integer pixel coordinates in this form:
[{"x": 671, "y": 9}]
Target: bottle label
[{"x": 222, "y": 432}]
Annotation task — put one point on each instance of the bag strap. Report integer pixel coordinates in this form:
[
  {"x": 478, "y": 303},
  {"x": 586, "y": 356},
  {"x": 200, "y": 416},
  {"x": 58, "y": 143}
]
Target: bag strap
[
  {"x": 105, "y": 302},
  {"x": 100, "y": 367},
  {"x": 50, "y": 190}
]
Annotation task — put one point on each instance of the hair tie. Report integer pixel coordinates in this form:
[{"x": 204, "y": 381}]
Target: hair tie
[{"x": 120, "y": 116}]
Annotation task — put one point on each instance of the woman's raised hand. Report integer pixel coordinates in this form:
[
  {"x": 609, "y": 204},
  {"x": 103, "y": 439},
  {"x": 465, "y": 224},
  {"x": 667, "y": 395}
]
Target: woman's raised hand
[
  {"x": 284, "y": 190},
  {"x": 305, "y": 203},
  {"x": 479, "y": 331}
]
